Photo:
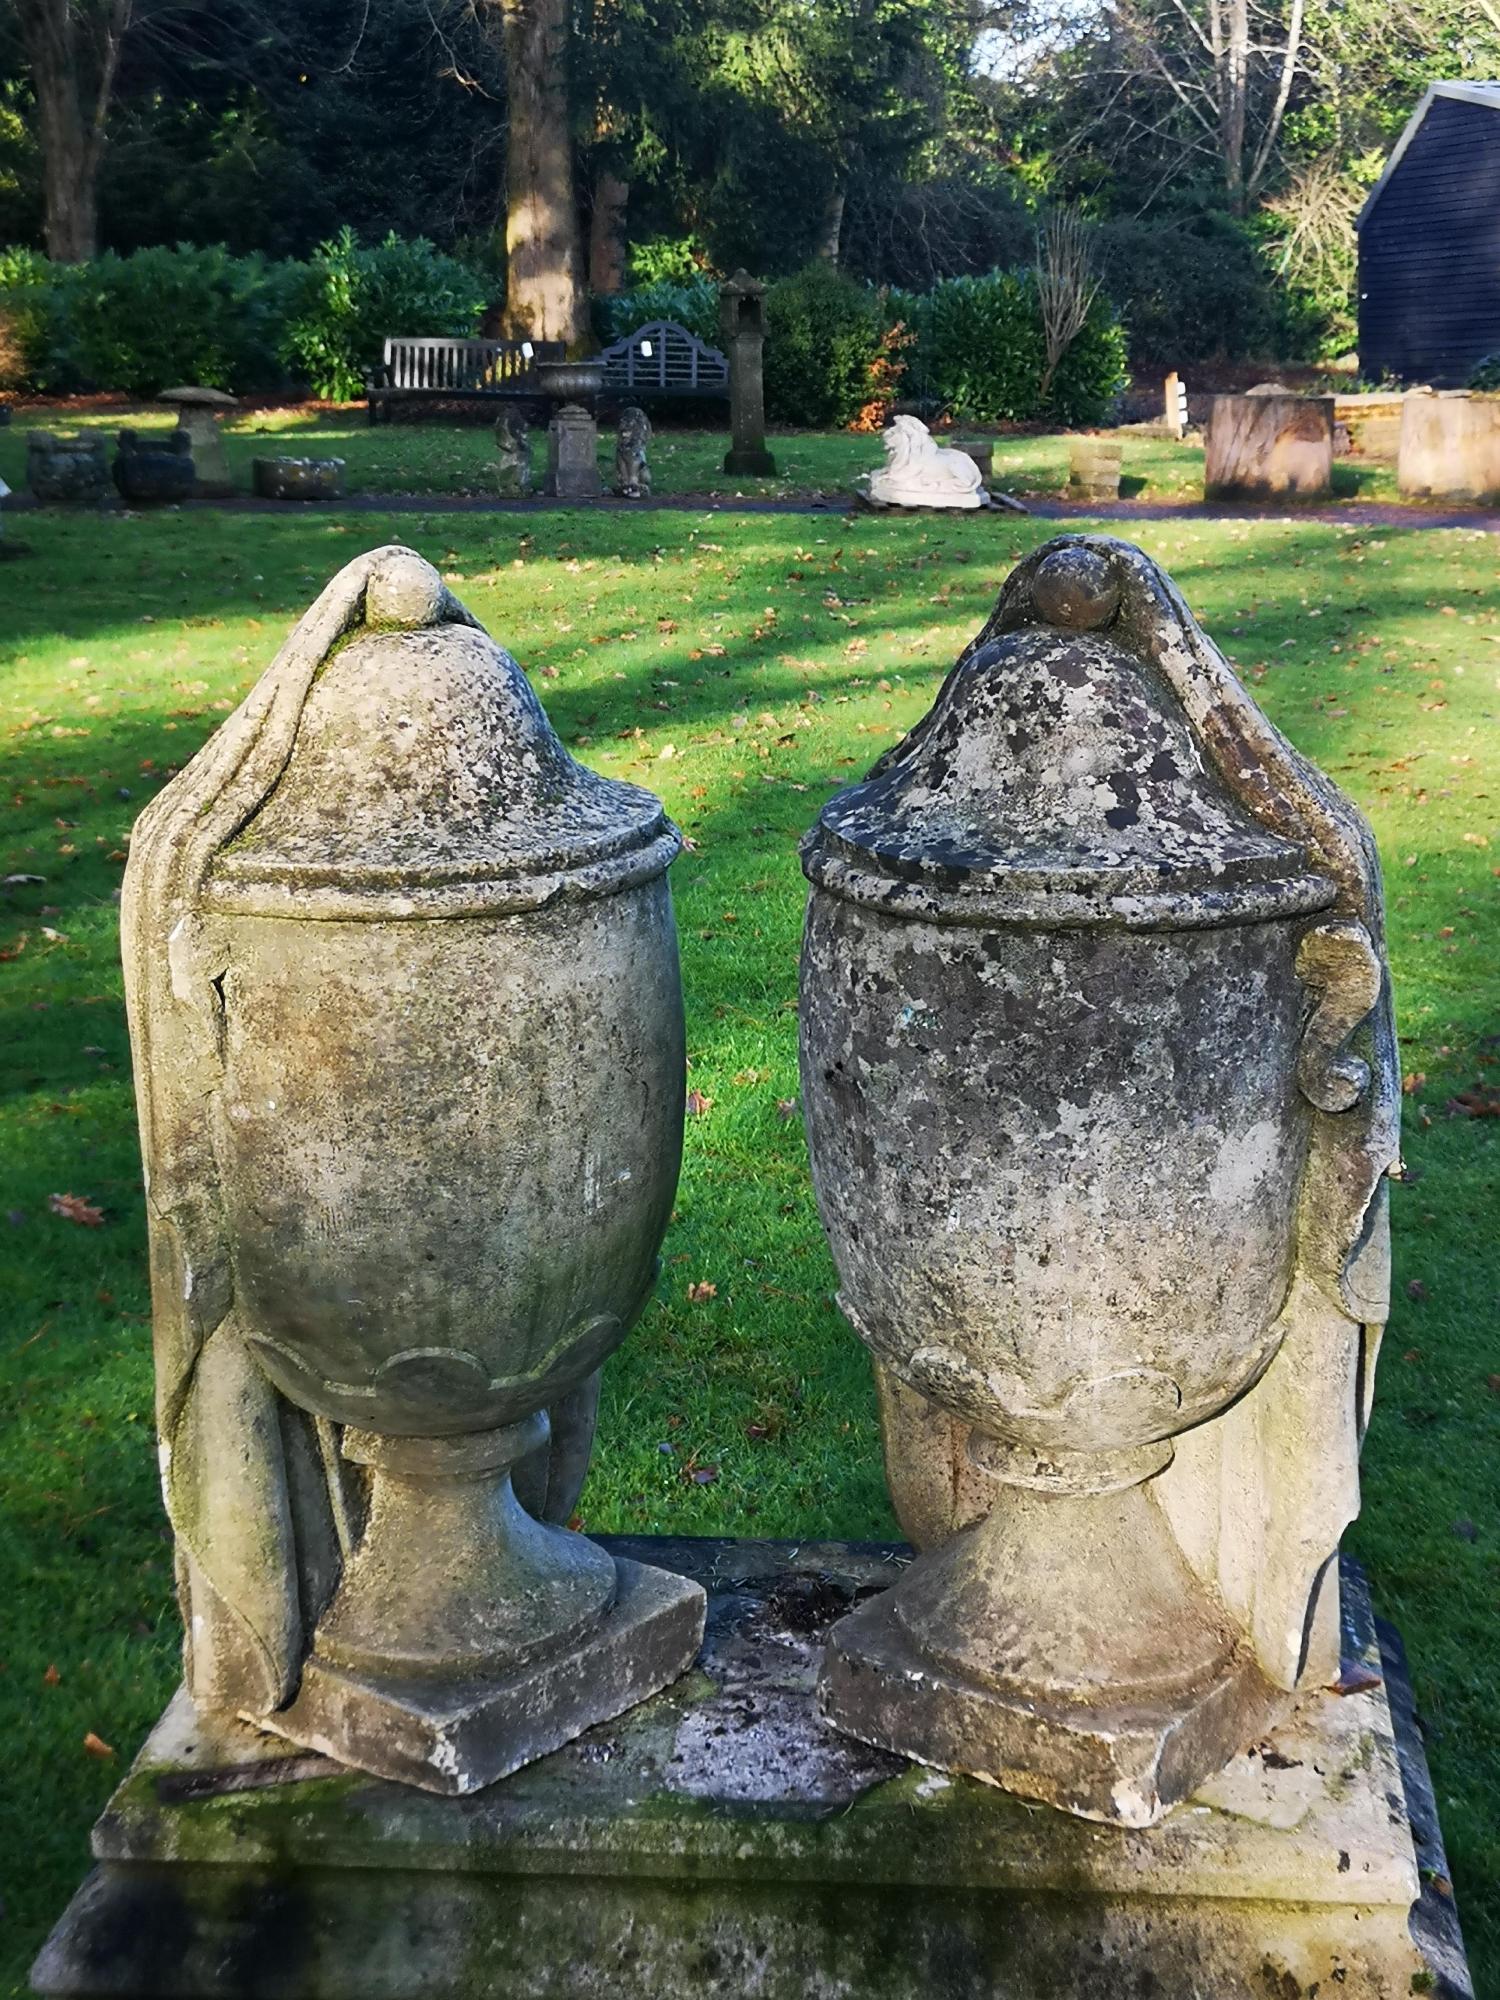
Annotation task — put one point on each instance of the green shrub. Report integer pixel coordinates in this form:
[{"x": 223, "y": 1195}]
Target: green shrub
[
  {"x": 25, "y": 316},
  {"x": 352, "y": 297},
  {"x": 980, "y": 353},
  {"x": 823, "y": 336},
  {"x": 141, "y": 323},
  {"x": 1486, "y": 373},
  {"x": 693, "y": 303},
  {"x": 671, "y": 260}
]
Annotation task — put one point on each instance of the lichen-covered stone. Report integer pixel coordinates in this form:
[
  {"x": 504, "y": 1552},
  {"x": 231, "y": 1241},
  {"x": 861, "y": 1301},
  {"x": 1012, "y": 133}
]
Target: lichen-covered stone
[
  {"x": 1083, "y": 960},
  {"x": 720, "y": 1840},
  {"x": 403, "y": 989}
]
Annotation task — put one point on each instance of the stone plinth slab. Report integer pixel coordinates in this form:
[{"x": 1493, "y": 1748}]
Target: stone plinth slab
[{"x": 721, "y": 1840}]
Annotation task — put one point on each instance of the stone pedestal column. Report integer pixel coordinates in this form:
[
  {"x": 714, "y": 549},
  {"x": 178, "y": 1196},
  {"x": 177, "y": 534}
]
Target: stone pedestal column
[
  {"x": 573, "y": 455},
  {"x": 742, "y": 317}
]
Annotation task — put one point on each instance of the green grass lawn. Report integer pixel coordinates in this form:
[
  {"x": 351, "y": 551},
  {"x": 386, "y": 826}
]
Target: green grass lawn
[
  {"x": 459, "y": 458},
  {"x": 743, "y": 666}
]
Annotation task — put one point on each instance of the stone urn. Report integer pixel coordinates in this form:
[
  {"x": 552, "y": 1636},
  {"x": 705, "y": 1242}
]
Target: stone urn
[
  {"x": 418, "y": 971},
  {"x": 571, "y": 381},
  {"x": 155, "y": 469},
  {"x": 1075, "y": 980}
]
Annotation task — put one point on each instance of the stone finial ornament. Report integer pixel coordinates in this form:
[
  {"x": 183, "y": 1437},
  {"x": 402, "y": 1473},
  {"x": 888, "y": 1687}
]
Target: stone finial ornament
[
  {"x": 1101, "y": 1087},
  {"x": 404, "y": 1002},
  {"x": 920, "y": 472}
]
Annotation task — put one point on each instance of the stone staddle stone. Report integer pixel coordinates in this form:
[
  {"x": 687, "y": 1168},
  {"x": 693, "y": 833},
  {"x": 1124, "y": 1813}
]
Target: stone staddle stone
[{"x": 720, "y": 1843}]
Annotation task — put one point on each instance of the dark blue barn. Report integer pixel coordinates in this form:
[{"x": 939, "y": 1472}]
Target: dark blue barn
[{"x": 1429, "y": 243}]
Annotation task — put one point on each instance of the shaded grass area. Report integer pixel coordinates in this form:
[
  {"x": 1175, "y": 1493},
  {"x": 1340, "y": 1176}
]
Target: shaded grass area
[
  {"x": 744, "y": 667},
  {"x": 458, "y": 457}
]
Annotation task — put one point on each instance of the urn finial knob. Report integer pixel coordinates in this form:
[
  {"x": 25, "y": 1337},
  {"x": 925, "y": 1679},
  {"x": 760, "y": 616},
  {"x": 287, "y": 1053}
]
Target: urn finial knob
[{"x": 1076, "y": 587}]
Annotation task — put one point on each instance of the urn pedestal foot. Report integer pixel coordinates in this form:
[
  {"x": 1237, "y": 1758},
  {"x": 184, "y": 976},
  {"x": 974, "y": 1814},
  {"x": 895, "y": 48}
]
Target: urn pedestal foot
[
  {"x": 1061, "y": 1648},
  {"x": 466, "y": 1638}
]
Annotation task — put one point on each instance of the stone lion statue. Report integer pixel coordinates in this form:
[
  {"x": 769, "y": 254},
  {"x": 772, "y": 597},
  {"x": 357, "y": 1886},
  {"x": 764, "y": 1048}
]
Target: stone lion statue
[{"x": 920, "y": 472}]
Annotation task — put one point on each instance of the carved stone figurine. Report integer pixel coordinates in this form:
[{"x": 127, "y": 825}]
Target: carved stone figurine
[
  {"x": 920, "y": 472},
  {"x": 513, "y": 447},
  {"x": 404, "y": 1001},
  {"x": 1102, "y": 1089},
  {"x": 632, "y": 473}
]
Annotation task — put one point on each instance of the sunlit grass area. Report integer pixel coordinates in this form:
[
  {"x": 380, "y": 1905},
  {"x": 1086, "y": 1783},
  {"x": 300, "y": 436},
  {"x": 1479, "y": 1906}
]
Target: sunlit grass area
[
  {"x": 457, "y": 458},
  {"x": 744, "y": 666}
]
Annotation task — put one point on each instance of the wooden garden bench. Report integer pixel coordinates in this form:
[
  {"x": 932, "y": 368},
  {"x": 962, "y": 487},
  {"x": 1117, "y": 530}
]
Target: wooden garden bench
[
  {"x": 664, "y": 359},
  {"x": 414, "y": 370}
]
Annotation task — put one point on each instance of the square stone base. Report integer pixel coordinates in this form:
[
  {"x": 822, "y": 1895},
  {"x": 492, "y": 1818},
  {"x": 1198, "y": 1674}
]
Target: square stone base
[
  {"x": 722, "y": 1842},
  {"x": 1125, "y": 1765},
  {"x": 461, "y": 1738}
]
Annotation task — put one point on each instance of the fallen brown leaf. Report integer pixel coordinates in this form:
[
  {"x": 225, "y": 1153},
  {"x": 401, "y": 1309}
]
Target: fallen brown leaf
[
  {"x": 700, "y": 1291},
  {"x": 698, "y": 1106},
  {"x": 73, "y": 1208},
  {"x": 52, "y": 1676},
  {"x": 96, "y": 1746}
]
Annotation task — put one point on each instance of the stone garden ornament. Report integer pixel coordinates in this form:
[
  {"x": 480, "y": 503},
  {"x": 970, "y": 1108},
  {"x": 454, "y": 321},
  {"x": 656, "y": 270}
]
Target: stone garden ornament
[
  {"x": 404, "y": 999},
  {"x": 1102, "y": 1092},
  {"x": 920, "y": 472},
  {"x": 513, "y": 453},
  {"x": 632, "y": 473}
]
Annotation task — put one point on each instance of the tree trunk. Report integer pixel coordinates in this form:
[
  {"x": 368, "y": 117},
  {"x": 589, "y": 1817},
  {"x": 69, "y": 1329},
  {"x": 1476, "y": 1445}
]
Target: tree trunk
[
  {"x": 831, "y": 227},
  {"x": 1234, "y": 89},
  {"x": 69, "y": 136},
  {"x": 607, "y": 233},
  {"x": 544, "y": 297}
]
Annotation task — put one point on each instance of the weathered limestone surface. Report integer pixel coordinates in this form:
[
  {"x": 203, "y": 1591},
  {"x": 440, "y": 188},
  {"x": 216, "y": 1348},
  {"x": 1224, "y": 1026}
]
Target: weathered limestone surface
[
  {"x": 572, "y": 455},
  {"x": 198, "y": 412},
  {"x": 920, "y": 472},
  {"x": 298, "y": 478},
  {"x": 1101, "y": 1090},
  {"x": 721, "y": 1841},
  {"x": 404, "y": 1000},
  {"x": 1094, "y": 466},
  {"x": 742, "y": 317},
  {"x": 1269, "y": 446},
  {"x": 632, "y": 473},
  {"x": 1450, "y": 446},
  {"x": 68, "y": 469},
  {"x": 513, "y": 454}
]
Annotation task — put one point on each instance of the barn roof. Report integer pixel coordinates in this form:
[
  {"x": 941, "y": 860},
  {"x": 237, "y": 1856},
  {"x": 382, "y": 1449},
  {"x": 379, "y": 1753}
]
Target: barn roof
[{"x": 1487, "y": 94}]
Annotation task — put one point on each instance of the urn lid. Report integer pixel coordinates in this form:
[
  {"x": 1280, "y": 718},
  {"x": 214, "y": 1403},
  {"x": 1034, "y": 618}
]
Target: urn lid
[
  {"x": 1059, "y": 780},
  {"x": 424, "y": 779}
]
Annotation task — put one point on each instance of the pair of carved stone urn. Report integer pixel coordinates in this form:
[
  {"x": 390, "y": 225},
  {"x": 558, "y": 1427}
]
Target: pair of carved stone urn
[{"x": 1099, "y": 1078}]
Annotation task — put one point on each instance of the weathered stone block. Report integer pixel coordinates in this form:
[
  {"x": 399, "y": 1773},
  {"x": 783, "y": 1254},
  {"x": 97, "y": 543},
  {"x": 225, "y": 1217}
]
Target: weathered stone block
[
  {"x": 1269, "y": 446},
  {"x": 298, "y": 478},
  {"x": 1450, "y": 447},
  {"x": 720, "y": 1841}
]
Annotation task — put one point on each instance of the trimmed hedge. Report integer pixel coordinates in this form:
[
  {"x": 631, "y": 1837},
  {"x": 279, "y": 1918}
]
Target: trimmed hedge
[
  {"x": 141, "y": 323},
  {"x": 972, "y": 347}
]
